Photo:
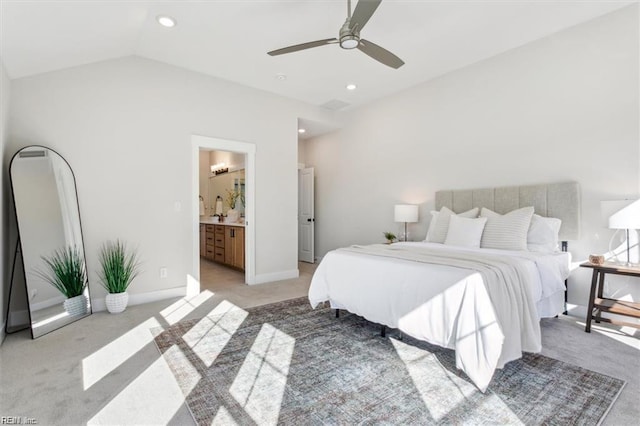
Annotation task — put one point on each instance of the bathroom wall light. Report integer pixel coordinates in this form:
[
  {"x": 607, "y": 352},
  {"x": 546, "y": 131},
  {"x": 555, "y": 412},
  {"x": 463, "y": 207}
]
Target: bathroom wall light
[
  {"x": 351, "y": 86},
  {"x": 215, "y": 167},
  {"x": 219, "y": 168},
  {"x": 301, "y": 131}
]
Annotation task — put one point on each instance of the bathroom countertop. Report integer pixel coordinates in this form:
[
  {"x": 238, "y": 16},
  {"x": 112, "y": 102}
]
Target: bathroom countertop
[{"x": 207, "y": 221}]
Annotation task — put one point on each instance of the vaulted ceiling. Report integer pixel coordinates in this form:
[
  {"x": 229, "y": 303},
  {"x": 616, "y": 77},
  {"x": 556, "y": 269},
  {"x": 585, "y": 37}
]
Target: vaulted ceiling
[{"x": 230, "y": 39}]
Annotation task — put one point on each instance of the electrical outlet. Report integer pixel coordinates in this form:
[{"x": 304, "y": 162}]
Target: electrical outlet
[{"x": 163, "y": 272}]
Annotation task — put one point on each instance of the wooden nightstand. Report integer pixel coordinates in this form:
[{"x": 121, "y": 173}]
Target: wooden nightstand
[{"x": 602, "y": 304}]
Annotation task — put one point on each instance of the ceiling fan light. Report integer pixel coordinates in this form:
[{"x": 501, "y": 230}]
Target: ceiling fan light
[{"x": 349, "y": 42}]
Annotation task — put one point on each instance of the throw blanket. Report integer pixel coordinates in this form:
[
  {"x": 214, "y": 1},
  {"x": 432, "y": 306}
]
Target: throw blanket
[{"x": 488, "y": 317}]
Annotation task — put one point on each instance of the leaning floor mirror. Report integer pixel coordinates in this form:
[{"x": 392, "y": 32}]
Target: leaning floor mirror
[{"x": 50, "y": 239}]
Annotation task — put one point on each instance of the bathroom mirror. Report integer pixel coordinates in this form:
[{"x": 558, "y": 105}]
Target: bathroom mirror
[
  {"x": 220, "y": 184},
  {"x": 48, "y": 218}
]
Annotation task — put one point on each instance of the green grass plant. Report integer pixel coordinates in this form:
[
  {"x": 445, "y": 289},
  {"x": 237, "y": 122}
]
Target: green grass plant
[
  {"x": 65, "y": 271},
  {"x": 390, "y": 236},
  {"x": 119, "y": 266}
]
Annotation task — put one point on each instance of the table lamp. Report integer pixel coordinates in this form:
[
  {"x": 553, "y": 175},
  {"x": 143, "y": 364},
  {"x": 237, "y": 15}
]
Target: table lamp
[
  {"x": 622, "y": 214},
  {"x": 405, "y": 213}
]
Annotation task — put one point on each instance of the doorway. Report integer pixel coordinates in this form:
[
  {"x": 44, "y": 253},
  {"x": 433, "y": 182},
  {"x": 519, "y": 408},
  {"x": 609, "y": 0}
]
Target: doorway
[
  {"x": 222, "y": 215},
  {"x": 247, "y": 150}
]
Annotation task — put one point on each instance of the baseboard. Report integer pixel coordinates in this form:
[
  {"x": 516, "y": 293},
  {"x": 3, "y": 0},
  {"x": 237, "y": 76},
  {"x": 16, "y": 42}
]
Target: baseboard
[
  {"x": 275, "y": 276},
  {"x": 99, "y": 305},
  {"x": 58, "y": 300}
]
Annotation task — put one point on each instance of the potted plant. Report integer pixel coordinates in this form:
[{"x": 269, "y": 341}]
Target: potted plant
[
  {"x": 66, "y": 272},
  {"x": 119, "y": 266},
  {"x": 390, "y": 237},
  {"x": 232, "y": 198}
]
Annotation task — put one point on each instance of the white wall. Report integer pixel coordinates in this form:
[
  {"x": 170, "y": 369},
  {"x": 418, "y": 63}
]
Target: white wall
[
  {"x": 302, "y": 151},
  {"x": 233, "y": 160},
  {"x": 5, "y": 257},
  {"x": 559, "y": 109},
  {"x": 125, "y": 128}
]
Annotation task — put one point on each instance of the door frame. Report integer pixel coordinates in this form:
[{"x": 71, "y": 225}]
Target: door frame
[{"x": 249, "y": 149}]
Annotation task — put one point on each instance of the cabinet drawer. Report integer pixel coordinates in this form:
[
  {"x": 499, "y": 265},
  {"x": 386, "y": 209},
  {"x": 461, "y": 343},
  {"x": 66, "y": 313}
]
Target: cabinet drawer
[
  {"x": 210, "y": 253},
  {"x": 210, "y": 228},
  {"x": 219, "y": 241},
  {"x": 219, "y": 229},
  {"x": 219, "y": 255}
]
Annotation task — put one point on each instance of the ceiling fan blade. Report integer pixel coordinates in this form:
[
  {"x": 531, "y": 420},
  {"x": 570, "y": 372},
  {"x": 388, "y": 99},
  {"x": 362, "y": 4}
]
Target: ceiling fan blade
[
  {"x": 302, "y": 46},
  {"x": 380, "y": 54},
  {"x": 363, "y": 11}
]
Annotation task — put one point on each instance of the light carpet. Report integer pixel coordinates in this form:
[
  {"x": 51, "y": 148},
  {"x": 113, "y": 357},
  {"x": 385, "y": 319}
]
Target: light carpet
[{"x": 285, "y": 363}]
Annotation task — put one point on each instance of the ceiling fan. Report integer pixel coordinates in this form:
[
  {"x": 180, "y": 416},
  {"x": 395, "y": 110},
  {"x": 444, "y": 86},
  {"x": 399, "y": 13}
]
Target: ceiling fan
[{"x": 349, "y": 37}]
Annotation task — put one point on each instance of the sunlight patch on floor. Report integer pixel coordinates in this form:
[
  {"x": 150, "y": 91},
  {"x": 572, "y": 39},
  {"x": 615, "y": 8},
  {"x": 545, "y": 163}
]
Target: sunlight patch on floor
[
  {"x": 212, "y": 333},
  {"x": 109, "y": 357},
  {"x": 189, "y": 376},
  {"x": 152, "y": 398},
  {"x": 223, "y": 418},
  {"x": 495, "y": 408},
  {"x": 431, "y": 380},
  {"x": 183, "y": 307},
  {"x": 260, "y": 383},
  {"x": 193, "y": 286},
  {"x": 624, "y": 335}
]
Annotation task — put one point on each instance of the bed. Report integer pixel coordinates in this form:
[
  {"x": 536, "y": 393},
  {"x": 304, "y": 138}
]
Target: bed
[{"x": 484, "y": 303}]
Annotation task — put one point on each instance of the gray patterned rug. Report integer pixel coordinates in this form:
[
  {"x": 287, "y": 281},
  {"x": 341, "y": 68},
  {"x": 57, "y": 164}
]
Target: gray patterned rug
[{"x": 286, "y": 363}]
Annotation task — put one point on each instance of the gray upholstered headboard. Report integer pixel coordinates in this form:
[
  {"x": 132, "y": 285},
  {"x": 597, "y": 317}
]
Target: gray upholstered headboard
[{"x": 561, "y": 200}]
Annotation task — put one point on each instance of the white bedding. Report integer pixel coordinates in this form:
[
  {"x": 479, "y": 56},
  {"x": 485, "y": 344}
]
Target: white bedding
[{"x": 449, "y": 306}]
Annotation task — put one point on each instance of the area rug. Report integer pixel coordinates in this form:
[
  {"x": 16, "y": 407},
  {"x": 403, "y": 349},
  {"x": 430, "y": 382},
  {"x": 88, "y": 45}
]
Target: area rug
[{"x": 286, "y": 363}]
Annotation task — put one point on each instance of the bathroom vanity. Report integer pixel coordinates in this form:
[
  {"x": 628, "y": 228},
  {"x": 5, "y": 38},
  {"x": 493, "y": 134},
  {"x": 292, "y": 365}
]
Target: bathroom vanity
[{"x": 223, "y": 243}]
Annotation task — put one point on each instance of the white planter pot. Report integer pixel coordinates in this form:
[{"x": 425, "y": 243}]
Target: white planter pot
[
  {"x": 233, "y": 216},
  {"x": 117, "y": 302},
  {"x": 76, "y": 305}
]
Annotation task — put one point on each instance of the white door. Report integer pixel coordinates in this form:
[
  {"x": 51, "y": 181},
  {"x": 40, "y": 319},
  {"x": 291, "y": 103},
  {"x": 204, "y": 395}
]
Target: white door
[{"x": 305, "y": 215}]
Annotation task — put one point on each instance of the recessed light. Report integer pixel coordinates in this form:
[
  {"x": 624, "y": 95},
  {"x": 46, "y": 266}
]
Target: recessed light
[
  {"x": 301, "y": 130},
  {"x": 166, "y": 21},
  {"x": 281, "y": 77},
  {"x": 351, "y": 86}
]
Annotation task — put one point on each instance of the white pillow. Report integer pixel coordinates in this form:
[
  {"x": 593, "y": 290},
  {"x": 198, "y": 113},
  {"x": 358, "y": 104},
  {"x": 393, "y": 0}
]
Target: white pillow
[
  {"x": 506, "y": 232},
  {"x": 465, "y": 232},
  {"x": 439, "y": 232},
  {"x": 543, "y": 234},
  {"x": 432, "y": 224}
]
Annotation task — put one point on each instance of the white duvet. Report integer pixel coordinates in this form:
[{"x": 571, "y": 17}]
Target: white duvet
[{"x": 483, "y": 307}]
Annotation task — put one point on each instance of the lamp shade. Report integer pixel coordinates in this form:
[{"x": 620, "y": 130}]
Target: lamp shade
[
  {"x": 405, "y": 213},
  {"x": 621, "y": 214},
  {"x": 202, "y": 208}
]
